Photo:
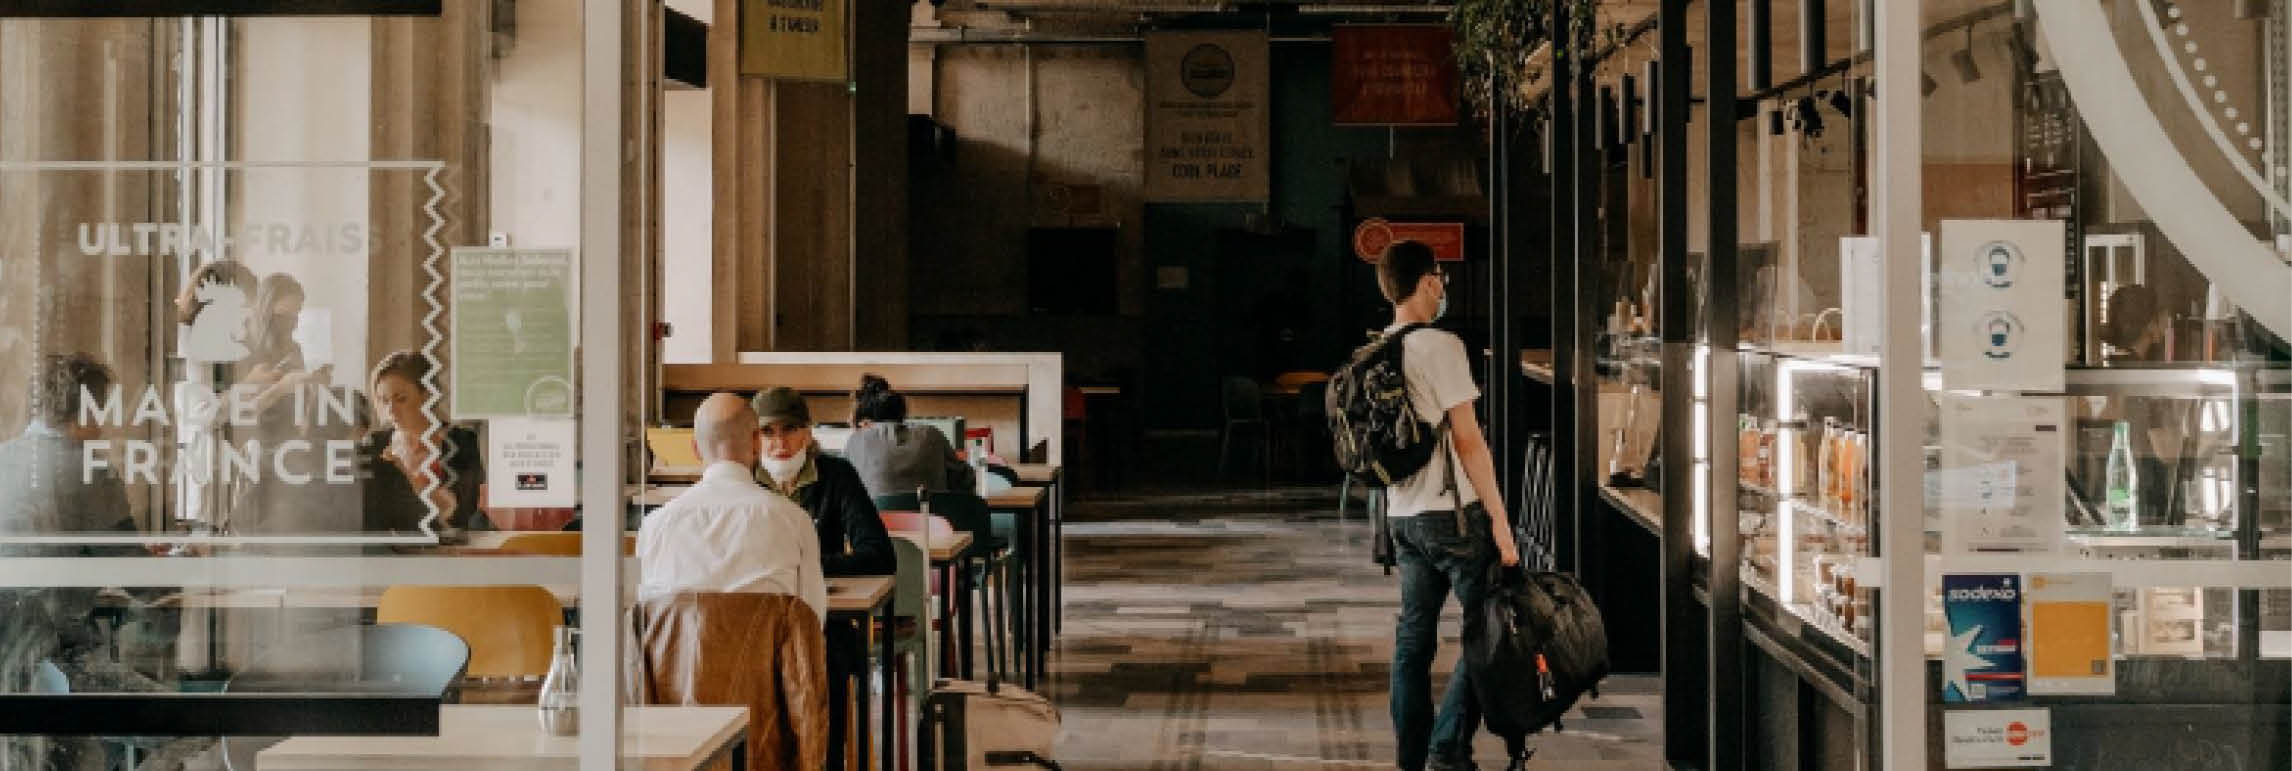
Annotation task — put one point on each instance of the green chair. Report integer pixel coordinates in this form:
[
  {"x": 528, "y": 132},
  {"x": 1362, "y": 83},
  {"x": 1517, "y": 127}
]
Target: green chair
[{"x": 912, "y": 610}]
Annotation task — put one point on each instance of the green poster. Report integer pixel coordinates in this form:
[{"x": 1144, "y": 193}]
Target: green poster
[{"x": 512, "y": 332}]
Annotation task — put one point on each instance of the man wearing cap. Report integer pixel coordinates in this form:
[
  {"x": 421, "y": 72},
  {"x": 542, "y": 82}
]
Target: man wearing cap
[{"x": 852, "y": 539}]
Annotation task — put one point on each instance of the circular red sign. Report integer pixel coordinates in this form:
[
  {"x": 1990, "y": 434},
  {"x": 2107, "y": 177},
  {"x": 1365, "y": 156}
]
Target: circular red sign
[
  {"x": 2017, "y": 734},
  {"x": 1371, "y": 238}
]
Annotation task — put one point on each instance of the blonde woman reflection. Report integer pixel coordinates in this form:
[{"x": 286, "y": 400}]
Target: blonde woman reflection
[{"x": 399, "y": 464}]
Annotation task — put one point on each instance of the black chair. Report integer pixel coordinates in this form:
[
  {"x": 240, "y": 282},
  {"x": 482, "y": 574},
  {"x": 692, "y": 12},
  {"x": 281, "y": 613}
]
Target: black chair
[
  {"x": 992, "y": 555},
  {"x": 1243, "y": 406},
  {"x": 408, "y": 658},
  {"x": 1308, "y": 431}
]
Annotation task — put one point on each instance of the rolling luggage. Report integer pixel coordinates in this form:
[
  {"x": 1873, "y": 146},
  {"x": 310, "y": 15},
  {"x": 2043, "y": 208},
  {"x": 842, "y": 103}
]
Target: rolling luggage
[{"x": 968, "y": 725}]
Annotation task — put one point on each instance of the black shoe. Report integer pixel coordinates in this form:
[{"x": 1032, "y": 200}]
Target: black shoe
[
  {"x": 1437, "y": 764},
  {"x": 1520, "y": 761}
]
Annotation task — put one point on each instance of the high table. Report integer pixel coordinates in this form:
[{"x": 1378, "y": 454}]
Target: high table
[
  {"x": 1031, "y": 509},
  {"x": 659, "y": 738},
  {"x": 867, "y": 601},
  {"x": 1052, "y": 476}
]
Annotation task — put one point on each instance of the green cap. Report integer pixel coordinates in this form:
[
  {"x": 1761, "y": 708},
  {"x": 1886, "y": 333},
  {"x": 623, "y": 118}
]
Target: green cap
[{"x": 782, "y": 405}]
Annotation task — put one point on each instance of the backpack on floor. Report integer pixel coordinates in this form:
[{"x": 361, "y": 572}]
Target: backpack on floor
[
  {"x": 1542, "y": 647},
  {"x": 1379, "y": 438}
]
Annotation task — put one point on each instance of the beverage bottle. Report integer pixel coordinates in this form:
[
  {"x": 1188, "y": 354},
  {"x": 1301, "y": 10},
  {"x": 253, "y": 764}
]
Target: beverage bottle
[
  {"x": 560, "y": 704},
  {"x": 1826, "y": 463},
  {"x": 2123, "y": 480}
]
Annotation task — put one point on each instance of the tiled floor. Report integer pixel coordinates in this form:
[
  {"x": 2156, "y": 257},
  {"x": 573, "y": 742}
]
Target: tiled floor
[{"x": 1249, "y": 630}]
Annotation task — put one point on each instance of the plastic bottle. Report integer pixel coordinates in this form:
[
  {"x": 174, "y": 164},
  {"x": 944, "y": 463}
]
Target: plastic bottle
[{"x": 560, "y": 703}]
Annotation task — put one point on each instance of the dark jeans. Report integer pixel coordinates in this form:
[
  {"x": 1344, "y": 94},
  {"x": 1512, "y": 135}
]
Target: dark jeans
[{"x": 1436, "y": 560}]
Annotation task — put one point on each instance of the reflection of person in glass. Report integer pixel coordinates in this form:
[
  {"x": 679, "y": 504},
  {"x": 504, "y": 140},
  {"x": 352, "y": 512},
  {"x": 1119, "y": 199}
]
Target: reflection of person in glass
[
  {"x": 46, "y": 488},
  {"x": 196, "y": 402},
  {"x": 399, "y": 464}
]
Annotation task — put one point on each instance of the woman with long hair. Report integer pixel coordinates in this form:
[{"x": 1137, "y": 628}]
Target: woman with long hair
[{"x": 413, "y": 453}]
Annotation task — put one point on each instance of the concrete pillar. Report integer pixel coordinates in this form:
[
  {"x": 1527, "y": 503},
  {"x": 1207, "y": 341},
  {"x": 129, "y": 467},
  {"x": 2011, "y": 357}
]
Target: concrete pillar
[{"x": 810, "y": 196}]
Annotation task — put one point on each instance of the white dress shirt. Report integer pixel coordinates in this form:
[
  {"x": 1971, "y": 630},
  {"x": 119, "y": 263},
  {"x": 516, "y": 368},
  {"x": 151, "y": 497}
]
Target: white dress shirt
[{"x": 729, "y": 534}]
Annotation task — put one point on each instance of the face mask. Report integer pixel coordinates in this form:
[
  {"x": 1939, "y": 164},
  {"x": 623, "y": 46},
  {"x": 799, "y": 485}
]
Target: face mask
[
  {"x": 783, "y": 470},
  {"x": 1443, "y": 309}
]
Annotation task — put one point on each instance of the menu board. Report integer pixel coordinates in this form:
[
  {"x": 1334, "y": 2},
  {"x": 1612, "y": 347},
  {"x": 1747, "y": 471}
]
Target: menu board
[
  {"x": 2002, "y": 478},
  {"x": 512, "y": 333}
]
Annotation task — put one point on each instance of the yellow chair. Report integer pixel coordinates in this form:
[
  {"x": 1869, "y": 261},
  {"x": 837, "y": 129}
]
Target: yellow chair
[
  {"x": 557, "y": 544},
  {"x": 509, "y": 628}
]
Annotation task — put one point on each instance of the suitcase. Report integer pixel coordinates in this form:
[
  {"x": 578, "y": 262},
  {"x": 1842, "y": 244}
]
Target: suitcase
[{"x": 969, "y": 725}]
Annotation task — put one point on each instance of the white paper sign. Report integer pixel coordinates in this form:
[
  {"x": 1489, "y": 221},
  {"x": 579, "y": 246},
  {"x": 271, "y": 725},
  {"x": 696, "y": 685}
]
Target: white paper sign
[
  {"x": 2068, "y": 634},
  {"x": 2003, "y": 325},
  {"x": 1860, "y": 274},
  {"x": 1997, "y": 738},
  {"x": 2001, "y": 477},
  {"x": 529, "y": 463}
]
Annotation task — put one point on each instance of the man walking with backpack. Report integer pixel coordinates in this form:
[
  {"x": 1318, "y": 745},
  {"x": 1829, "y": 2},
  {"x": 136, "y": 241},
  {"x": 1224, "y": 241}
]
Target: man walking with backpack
[{"x": 1448, "y": 519}]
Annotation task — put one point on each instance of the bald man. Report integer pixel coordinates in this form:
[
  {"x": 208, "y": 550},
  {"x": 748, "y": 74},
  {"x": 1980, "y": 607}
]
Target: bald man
[{"x": 728, "y": 534}]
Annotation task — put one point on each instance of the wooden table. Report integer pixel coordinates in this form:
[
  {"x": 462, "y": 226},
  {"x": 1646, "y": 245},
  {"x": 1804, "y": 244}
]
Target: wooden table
[
  {"x": 866, "y": 600},
  {"x": 1052, "y": 476},
  {"x": 653, "y": 738},
  {"x": 1030, "y": 505}
]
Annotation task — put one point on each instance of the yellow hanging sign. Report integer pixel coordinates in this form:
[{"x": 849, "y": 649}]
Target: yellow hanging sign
[{"x": 793, "y": 39}]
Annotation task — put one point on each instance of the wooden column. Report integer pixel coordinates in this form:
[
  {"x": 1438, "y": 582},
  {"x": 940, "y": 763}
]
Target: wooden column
[
  {"x": 429, "y": 103},
  {"x": 810, "y": 184},
  {"x": 80, "y": 90}
]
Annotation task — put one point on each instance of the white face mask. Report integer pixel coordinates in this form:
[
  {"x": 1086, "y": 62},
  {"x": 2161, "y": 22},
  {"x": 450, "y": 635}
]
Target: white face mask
[{"x": 784, "y": 470}]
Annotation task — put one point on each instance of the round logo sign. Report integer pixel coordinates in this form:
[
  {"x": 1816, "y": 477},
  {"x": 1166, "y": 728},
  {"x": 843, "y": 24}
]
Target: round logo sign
[
  {"x": 1999, "y": 262},
  {"x": 1207, "y": 70},
  {"x": 1370, "y": 239},
  {"x": 2017, "y": 734}
]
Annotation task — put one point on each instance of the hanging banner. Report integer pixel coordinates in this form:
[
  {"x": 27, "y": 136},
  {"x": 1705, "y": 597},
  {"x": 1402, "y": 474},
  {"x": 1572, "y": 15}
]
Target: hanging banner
[
  {"x": 1206, "y": 116},
  {"x": 2003, "y": 327},
  {"x": 1373, "y": 235},
  {"x": 1393, "y": 75},
  {"x": 512, "y": 333},
  {"x": 792, "y": 39},
  {"x": 2002, "y": 473}
]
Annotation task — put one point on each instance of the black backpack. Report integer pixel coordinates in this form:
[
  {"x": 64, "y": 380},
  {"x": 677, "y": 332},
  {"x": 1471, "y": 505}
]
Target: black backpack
[
  {"x": 1379, "y": 438},
  {"x": 1542, "y": 646}
]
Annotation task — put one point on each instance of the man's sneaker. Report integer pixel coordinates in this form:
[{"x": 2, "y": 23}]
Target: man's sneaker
[{"x": 1437, "y": 764}]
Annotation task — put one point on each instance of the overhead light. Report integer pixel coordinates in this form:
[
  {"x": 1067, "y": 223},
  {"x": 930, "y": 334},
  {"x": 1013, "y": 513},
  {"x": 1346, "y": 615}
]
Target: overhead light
[
  {"x": 1964, "y": 60},
  {"x": 1842, "y": 101},
  {"x": 1775, "y": 121}
]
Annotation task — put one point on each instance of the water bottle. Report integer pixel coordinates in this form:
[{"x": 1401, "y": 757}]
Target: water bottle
[
  {"x": 2124, "y": 480},
  {"x": 560, "y": 690}
]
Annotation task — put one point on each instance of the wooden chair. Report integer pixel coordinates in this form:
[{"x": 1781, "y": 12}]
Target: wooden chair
[
  {"x": 508, "y": 628},
  {"x": 557, "y": 544}
]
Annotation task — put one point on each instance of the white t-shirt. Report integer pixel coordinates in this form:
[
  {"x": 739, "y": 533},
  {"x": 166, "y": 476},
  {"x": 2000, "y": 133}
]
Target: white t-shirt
[{"x": 1440, "y": 377}]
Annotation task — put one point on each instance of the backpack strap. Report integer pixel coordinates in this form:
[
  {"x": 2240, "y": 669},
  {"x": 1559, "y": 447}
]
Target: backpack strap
[{"x": 1447, "y": 451}]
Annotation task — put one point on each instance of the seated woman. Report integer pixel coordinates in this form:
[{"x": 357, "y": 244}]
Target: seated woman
[
  {"x": 399, "y": 465},
  {"x": 894, "y": 457}
]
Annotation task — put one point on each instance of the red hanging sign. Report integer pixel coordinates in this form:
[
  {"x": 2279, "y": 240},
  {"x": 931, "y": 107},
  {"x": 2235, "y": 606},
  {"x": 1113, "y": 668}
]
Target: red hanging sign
[
  {"x": 1393, "y": 75},
  {"x": 1373, "y": 235}
]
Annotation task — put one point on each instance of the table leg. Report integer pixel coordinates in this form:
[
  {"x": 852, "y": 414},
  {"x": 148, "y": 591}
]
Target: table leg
[
  {"x": 891, "y": 707},
  {"x": 863, "y": 696},
  {"x": 1040, "y": 575},
  {"x": 964, "y": 590},
  {"x": 1057, "y": 576}
]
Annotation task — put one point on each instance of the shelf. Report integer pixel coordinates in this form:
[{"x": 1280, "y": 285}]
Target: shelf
[
  {"x": 1643, "y": 506},
  {"x": 1805, "y": 616}
]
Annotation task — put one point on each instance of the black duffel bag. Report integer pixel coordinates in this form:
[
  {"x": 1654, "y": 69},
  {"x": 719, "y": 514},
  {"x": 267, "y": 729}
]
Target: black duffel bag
[{"x": 1542, "y": 647}]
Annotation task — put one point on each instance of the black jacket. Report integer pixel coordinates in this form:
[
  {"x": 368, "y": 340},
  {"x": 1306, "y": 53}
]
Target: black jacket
[{"x": 843, "y": 513}]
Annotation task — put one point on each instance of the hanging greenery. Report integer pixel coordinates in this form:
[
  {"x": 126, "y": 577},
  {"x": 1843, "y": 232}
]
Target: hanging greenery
[{"x": 1494, "y": 39}]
